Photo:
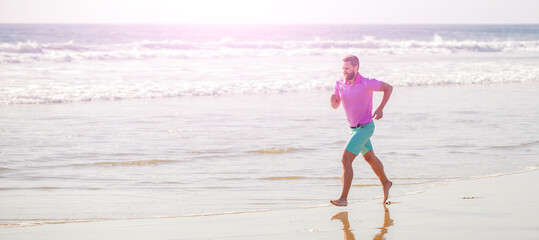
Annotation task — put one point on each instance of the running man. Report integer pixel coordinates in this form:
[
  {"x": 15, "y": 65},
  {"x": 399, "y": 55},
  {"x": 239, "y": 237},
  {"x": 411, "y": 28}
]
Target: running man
[{"x": 355, "y": 93}]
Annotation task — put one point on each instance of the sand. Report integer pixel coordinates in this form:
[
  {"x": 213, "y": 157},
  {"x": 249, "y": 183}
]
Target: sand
[{"x": 501, "y": 207}]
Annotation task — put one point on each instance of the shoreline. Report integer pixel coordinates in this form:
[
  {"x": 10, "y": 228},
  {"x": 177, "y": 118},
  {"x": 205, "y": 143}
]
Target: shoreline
[
  {"x": 490, "y": 207},
  {"x": 434, "y": 184}
]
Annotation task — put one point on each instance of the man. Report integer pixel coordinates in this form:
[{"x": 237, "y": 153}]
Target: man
[{"x": 355, "y": 93}]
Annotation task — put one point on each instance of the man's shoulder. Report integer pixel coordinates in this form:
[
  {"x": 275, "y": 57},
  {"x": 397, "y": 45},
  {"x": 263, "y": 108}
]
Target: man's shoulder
[
  {"x": 371, "y": 83},
  {"x": 366, "y": 79}
]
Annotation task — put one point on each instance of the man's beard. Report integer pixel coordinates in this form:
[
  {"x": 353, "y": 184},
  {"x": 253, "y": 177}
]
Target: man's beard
[{"x": 349, "y": 76}]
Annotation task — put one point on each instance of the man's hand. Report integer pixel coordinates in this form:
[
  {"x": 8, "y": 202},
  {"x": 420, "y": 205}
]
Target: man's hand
[
  {"x": 335, "y": 101},
  {"x": 387, "y": 89},
  {"x": 378, "y": 114}
]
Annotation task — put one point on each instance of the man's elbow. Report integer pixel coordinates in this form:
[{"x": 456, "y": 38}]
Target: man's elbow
[
  {"x": 386, "y": 87},
  {"x": 389, "y": 88}
]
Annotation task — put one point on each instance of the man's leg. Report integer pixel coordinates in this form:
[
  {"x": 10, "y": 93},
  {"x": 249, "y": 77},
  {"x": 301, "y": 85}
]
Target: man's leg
[
  {"x": 378, "y": 169},
  {"x": 346, "y": 179}
]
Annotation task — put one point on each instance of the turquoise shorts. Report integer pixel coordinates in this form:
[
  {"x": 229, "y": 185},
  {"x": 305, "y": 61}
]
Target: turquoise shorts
[{"x": 360, "y": 141}]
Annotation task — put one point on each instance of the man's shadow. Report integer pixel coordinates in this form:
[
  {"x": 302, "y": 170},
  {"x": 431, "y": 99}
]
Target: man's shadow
[{"x": 349, "y": 235}]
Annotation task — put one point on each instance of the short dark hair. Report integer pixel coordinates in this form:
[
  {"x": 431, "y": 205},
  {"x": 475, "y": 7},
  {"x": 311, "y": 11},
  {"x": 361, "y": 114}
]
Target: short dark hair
[{"x": 352, "y": 59}]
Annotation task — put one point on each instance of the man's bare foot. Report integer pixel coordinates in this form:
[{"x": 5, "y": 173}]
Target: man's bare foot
[
  {"x": 386, "y": 190},
  {"x": 339, "y": 203}
]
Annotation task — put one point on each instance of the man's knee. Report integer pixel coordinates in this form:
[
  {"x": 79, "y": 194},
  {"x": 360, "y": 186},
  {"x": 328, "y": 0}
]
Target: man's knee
[
  {"x": 346, "y": 162},
  {"x": 369, "y": 156},
  {"x": 347, "y": 158}
]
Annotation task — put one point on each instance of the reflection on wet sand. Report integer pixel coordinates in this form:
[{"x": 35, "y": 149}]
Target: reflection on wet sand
[
  {"x": 349, "y": 235},
  {"x": 387, "y": 222},
  {"x": 343, "y": 216}
]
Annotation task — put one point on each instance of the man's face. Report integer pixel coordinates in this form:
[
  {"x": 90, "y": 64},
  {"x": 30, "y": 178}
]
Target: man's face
[{"x": 348, "y": 70}]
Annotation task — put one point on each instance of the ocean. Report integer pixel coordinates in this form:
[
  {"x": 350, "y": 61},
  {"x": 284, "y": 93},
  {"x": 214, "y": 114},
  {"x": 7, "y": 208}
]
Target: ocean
[{"x": 107, "y": 122}]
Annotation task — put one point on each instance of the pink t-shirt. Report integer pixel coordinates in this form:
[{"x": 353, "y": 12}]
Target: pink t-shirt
[{"x": 356, "y": 99}]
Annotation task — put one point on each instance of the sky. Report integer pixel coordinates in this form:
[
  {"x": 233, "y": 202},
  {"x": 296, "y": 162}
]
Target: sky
[{"x": 271, "y": 11}]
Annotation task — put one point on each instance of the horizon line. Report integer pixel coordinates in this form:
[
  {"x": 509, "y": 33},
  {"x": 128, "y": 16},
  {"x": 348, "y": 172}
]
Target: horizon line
[{"x": 162, "y": 23}]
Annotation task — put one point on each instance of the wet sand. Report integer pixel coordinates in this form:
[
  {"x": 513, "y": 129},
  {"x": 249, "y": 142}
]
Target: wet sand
[{"x": 502, "y": 207}]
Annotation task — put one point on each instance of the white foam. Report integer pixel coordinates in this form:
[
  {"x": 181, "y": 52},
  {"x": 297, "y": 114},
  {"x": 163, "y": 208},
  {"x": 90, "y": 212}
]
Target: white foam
[
  {"x": 41, "y": 73},
  {"x": 32, "y": 51},
  {"x": 79, "y": 90}
]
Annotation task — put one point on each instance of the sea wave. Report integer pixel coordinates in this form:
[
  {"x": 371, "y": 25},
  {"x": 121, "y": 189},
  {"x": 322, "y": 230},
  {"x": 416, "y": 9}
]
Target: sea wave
[
  {"x": 284, "y": 178},
  {"x": 33, "y": 222},
  {"x": 525, "y": 144},
  {"x": 51, "y": 94},
  {"x": 275, "y": 150},
  {"x": 32, "y": 51},
  {"x": 133, "y": 163}
]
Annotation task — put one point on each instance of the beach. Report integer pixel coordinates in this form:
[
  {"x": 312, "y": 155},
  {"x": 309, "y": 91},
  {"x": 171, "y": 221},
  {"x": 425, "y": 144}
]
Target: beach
[
  {"x": 162, "y": 125},
  {"x": 498, "y": 207}
]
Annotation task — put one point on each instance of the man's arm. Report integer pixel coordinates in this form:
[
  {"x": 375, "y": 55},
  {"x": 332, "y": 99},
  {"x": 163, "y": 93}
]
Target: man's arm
[
  {"x": 387, "y": 89},
  {"x": 335, "y": 101}
]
